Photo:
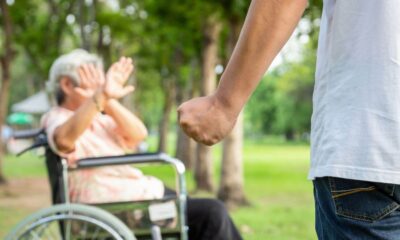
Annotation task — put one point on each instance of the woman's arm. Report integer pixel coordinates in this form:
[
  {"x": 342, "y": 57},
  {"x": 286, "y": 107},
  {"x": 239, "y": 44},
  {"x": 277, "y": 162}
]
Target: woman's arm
[
  {"x": 130, "y": 127},
  {"x": 92, "y": 100}
]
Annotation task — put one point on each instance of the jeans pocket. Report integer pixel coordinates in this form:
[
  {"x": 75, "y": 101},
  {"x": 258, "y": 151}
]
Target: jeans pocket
[{"x": 362, "y": 200}]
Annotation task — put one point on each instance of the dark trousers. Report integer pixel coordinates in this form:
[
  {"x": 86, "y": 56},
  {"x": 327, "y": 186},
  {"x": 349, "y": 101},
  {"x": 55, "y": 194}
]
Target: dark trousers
[{"x": 208, "y": 219}]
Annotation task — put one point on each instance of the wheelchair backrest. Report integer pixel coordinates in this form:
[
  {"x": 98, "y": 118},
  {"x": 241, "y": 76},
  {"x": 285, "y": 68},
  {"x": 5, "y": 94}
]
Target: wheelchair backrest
[
  {"x": 54, "y": 173},
  {"x": 53, "y": 161}
]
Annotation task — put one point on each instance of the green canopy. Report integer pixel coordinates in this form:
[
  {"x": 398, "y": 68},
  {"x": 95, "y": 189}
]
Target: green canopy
[{"x": 20, "y": 119}]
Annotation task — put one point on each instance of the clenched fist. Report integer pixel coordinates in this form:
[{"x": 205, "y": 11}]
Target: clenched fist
[{"x": 206, "y": 119}]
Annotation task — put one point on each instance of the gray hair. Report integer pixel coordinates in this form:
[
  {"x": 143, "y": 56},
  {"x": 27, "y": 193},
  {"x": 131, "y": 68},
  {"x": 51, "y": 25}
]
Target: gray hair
[{"x": 67, "y": 66}]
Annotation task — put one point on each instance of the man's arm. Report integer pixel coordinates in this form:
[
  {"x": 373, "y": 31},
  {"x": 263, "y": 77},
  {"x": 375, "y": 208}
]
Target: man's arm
[{"x": 268, "y": 26}]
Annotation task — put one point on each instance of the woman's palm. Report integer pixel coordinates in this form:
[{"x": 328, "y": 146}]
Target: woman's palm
[{"x": 117, "y": 76}]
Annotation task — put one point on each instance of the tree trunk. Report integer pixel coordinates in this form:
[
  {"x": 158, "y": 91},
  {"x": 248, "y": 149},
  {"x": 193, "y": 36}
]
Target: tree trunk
[
  {"x": 204, "y": 168},
  {"x": 165, "y": 119},
  {"x": 289, "y": 135},
  {"x": 5, "y": 86},
  {"x": 231, "y": 183},
  {"x": 6, "y": 76},
  {"x": 185, "y": 149},
  {"x": 85, "y": 41},
  {"x": 103, "y": 48}
]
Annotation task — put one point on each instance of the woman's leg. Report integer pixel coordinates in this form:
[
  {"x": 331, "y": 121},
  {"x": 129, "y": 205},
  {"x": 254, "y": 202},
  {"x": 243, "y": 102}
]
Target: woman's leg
[{"x": 208, "y": 219}]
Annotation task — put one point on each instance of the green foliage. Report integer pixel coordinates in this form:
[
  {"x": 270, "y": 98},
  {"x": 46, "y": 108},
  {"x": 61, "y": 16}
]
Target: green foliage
[
  {"x": 313, "y": 15},
  {"x": 39, "y": 29},
  {"x": 282, "y": 104},
  {"x": 294, "y": 95},
  {"x": 262, "y": 107}
]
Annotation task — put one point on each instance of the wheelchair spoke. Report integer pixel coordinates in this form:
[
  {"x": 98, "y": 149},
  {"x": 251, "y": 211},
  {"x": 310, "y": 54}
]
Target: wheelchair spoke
[
  {"x": 68, "y": 229},
  {"x": 96, "y": 233},
  {"x": 34, "y": 235},
  {"x": 84, "y": 230},
  {"x": 42, "y": 230},
  {"x": 50, "y": 233}
]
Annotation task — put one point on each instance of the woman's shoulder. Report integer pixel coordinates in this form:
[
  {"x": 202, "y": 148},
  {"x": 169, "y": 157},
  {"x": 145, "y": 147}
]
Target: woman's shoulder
[{"x": 55, "y": 114}]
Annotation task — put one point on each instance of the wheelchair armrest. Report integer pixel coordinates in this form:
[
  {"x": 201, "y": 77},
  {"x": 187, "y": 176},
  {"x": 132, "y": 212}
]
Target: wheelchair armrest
[
  {"x": 161, "y": 158},
  {"x": 132, "y": 159}
]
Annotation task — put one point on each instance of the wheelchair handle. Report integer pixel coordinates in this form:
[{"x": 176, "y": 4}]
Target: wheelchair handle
[
  {"x": 37, "y": 134},
  {"x": 30, "y": 133}
]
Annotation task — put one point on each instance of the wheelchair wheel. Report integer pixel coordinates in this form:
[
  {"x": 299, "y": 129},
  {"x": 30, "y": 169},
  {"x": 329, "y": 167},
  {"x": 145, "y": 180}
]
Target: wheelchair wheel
[{"x": 71, "y": 222}]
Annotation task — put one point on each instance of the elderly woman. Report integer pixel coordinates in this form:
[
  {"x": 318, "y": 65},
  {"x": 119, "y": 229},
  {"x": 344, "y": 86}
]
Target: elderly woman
[
  {"x": 89, "y": 121},
  {"x": 76, "y": 128}
]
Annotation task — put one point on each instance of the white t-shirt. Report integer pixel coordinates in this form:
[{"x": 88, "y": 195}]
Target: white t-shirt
[{"x": 356, "y": 118}]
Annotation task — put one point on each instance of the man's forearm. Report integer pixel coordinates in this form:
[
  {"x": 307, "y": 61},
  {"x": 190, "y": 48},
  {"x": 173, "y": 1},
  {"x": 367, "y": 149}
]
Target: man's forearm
[
  {"x": 267, "y": 28},
  {"x": 130, "y": 126}
]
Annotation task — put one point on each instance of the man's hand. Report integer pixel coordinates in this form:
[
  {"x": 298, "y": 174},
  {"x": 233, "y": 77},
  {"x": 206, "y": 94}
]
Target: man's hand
[
  {"x": 206, "y": 119},
  {"x": 116, "y": 78}
]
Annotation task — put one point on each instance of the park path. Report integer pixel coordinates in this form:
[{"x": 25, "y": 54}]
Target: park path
[{"x": 25, "y": 193}]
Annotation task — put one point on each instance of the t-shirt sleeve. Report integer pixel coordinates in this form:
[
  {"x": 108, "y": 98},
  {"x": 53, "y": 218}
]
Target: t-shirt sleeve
[{"x": 50, "y": 122}]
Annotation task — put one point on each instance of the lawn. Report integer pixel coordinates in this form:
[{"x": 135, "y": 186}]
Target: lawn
[{"x": 275, "y": 183}]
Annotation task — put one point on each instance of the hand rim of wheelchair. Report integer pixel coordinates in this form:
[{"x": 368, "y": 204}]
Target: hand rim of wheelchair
[{"x": 98, "y": 217}]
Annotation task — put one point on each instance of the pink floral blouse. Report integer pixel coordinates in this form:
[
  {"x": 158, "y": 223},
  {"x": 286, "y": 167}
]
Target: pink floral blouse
[{"x": 102, "y": 184}]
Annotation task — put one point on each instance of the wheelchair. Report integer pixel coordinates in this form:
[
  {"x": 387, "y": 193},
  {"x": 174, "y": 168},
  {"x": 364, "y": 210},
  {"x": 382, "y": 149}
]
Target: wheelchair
[{"x": 156, "y": 219}]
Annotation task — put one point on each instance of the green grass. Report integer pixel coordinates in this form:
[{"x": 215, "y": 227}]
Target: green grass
[
  {"x": 27, "y": 165},
  {"x": 9, "y": 217},
  {"x": 275, "y": 183},
  {"x": 281, "y": 197}
]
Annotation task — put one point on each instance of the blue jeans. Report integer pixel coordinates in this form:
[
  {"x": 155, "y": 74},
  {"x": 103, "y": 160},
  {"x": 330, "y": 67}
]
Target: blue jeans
[{"x": 351, "y": 209}]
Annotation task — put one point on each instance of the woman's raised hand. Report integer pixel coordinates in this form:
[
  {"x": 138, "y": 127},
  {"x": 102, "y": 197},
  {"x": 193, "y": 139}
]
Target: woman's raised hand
[
  {"x": 91, "y": 79},
  {"x": 116, "y": 78}
]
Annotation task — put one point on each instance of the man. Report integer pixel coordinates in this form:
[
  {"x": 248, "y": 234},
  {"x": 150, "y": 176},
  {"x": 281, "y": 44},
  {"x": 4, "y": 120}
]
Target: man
[
  {"x": 355, "y": 136},
  {"x": 89, "y": 121}
]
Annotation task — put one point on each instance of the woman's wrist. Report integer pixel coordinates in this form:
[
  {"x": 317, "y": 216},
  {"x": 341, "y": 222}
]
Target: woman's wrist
[
  {"x": 109, "y": 104},
  {"x": 100, "y": 100}
]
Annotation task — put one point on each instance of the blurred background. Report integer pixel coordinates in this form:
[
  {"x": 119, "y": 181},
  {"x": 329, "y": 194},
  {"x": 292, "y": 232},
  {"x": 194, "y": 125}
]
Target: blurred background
[{"x": 180, "y": 49}]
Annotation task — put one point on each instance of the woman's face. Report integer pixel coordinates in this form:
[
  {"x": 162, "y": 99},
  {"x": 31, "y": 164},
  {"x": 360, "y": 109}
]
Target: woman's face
[{"x": 75, "y": 95}]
